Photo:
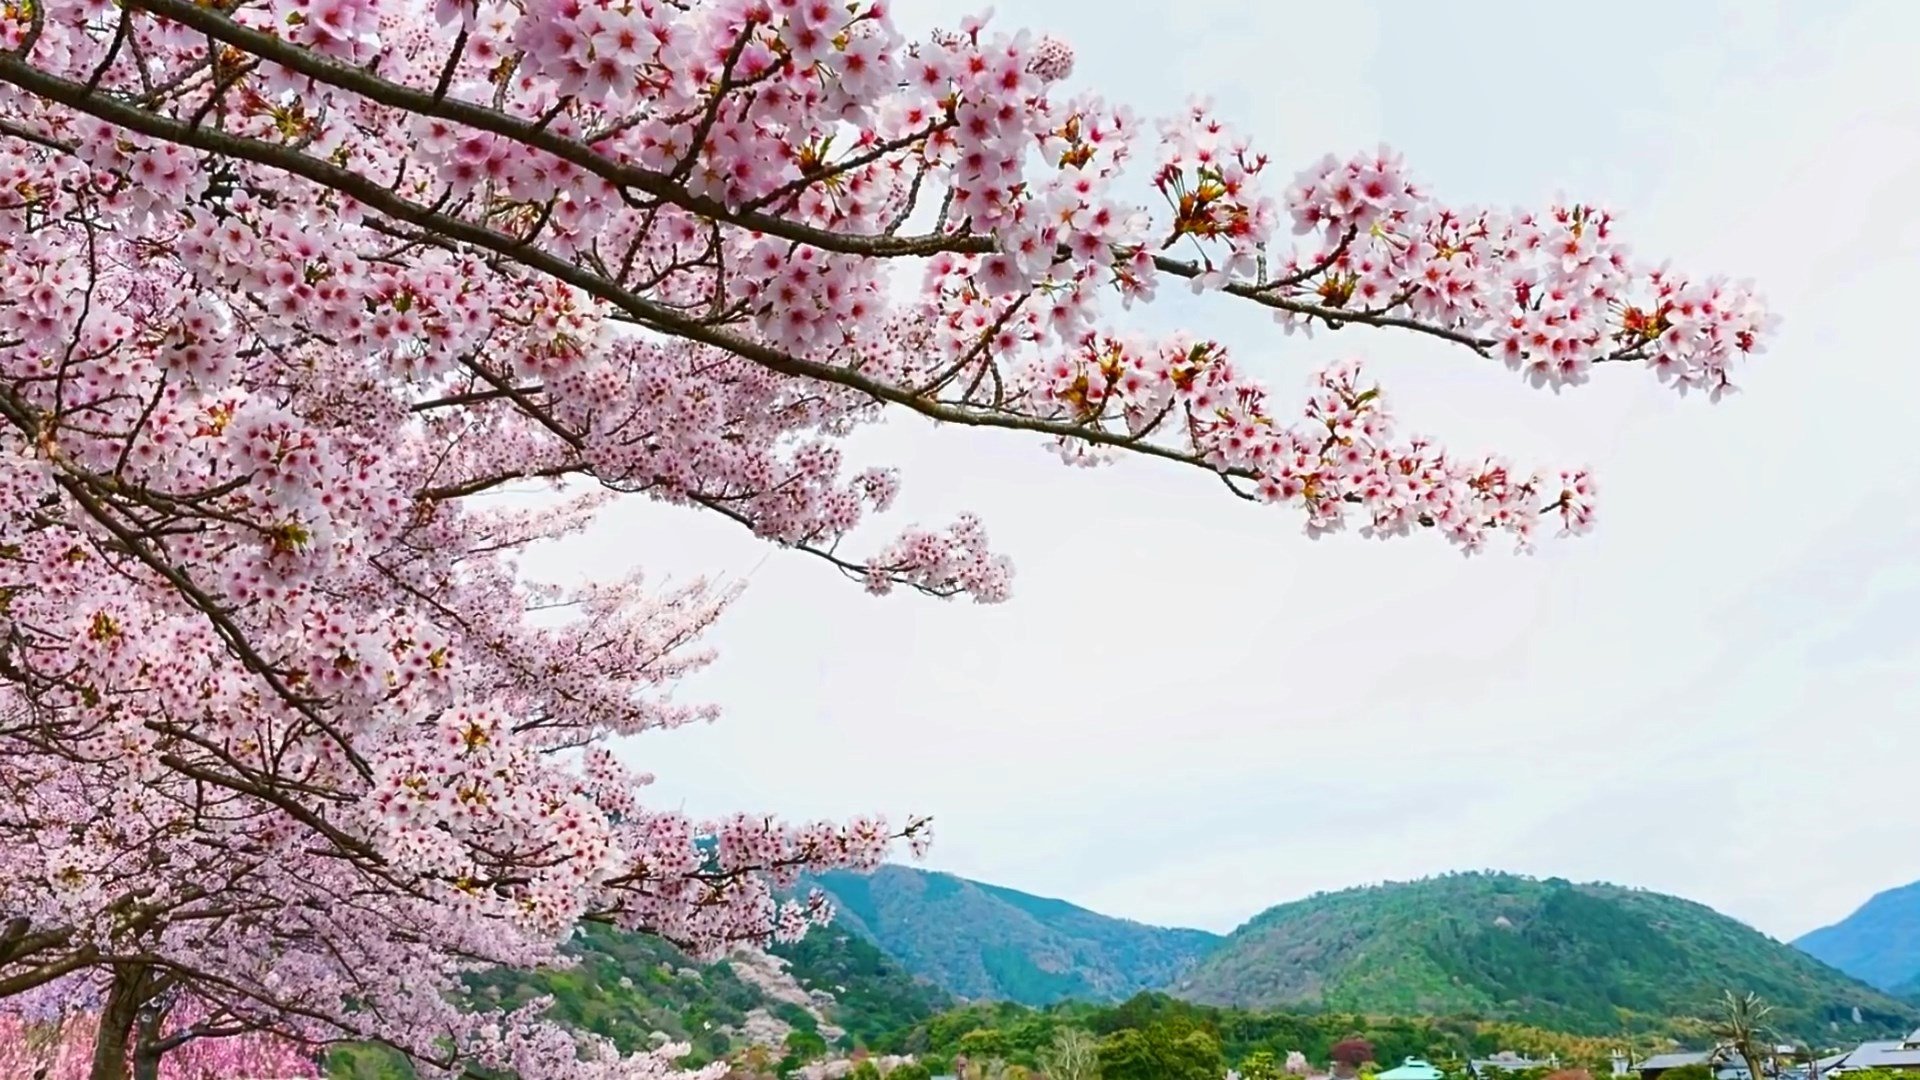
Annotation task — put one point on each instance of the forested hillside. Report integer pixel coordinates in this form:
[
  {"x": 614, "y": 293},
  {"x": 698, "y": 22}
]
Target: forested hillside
[
  {"x": 1879, "y": 943},
  {"x": 984, "y": 941},
  {"x": 1570, "y": 957},
  {"x": 832, "y": 989}
]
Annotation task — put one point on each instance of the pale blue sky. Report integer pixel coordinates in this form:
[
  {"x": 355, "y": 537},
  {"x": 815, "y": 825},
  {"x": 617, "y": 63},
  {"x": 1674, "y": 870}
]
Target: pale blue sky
[{"x": 1190, "y": 712}]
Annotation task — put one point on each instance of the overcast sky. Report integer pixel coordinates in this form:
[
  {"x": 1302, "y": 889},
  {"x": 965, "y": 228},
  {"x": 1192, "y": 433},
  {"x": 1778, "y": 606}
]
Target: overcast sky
[{"x": 1190, "y": 712}]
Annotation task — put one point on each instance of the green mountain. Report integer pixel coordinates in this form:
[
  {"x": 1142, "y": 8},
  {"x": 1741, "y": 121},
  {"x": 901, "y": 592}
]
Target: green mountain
[
  {"x": 1879, "y": 944},
  {"x": 1461, "y": 959},
  {"x": 983, "y": 941},
  {"x": 830, "y": 989},
  {"x": 1579, "y": 958}
]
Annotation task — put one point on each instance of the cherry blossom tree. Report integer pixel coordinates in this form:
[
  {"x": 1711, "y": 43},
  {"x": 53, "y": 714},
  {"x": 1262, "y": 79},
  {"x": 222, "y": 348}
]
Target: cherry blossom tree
[
  {"x": 62, "y": 1048},
  {"x": 288, "y": 741}
]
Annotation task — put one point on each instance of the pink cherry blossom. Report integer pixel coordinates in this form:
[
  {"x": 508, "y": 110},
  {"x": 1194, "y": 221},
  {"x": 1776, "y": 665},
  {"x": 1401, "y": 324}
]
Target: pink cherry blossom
[
  {"x": 289, "y": 289},
  {"x": 63, "y": 1045}
]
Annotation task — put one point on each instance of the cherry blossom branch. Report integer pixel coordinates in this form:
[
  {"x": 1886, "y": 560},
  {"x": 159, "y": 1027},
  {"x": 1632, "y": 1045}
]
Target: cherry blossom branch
[
  {"x": 650, "y": 182},
  {"x": 644, "y": 312},
  {"x": 667, "y": 186}
]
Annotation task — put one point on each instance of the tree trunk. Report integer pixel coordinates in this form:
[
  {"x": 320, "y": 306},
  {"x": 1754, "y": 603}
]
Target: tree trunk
[
  {"x": 124, "y": 998},
  {"x": 146, "y": 1049}
]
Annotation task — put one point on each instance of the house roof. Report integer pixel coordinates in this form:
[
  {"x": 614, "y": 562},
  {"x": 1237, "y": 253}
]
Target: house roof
[
  {"x": 1411, "y": 1069},
  {"x": 1890, "y": 1054},
  {"x": 1511, "y": 1064},
  {"x": 1674, "y": 1061}
]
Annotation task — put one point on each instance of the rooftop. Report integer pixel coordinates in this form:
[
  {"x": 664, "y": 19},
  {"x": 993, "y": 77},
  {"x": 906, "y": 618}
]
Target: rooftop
[
  {"x": 1674, "y": 1061},
  {"x": 1411, "y": 1069},
  {"x": 1891, "y": 1054}
]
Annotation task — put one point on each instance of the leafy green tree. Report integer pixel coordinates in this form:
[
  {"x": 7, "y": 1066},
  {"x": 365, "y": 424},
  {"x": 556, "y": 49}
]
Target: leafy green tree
[
  {"x": 1158, "y": 1053},
  {"x": 866, "y": 1070},
  {"x": 802, "y": 1047},
  {"x": 1444, "y": 1040},
  {"x": 1128, "y": 1054},
  {"x": 807, "y": 1043},
  {"x": 984, "y": 1043},
  {"x": 1196, "y": 1054},
  {"x": 912, "y": 1070},
  {"x": 1260, "y": 1065},
  {"x": 1688, "y": 1072}
]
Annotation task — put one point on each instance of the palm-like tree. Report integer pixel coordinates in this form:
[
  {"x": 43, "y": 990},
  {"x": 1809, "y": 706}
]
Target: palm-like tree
[
  {"x": 1074, "y": 1055},
  {"x": 1742, "y": 1026}
]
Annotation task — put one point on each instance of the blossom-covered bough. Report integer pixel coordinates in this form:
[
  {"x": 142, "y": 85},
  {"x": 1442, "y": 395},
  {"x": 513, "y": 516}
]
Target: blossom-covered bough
[
  {"x": 61, "y": 1047},
  {"x": 287, "y": 741}
]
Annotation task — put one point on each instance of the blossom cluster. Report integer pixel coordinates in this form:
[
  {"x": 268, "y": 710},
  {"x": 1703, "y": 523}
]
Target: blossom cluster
[
  {"x": 61, "y": 1048},
  {"x": 289, "y": 289}
]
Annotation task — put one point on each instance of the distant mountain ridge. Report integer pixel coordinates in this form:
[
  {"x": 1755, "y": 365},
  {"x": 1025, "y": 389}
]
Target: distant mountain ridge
[
  {"x": 1576, "y": 958},
  {"x": 989, "y": 942},
  {"x": 1583, "y": 960},
  {"x": 1878, "y": 944}
]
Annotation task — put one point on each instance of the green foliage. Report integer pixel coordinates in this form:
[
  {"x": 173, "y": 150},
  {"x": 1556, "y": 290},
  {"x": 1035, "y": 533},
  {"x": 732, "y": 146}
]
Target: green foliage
[
  {"x": 983, "y": 1043},
  {"x": 807, "y": 1044},
  {"x": 1260, "y": 1065},
  {"x": 1025, "y": 1036},
  {"x": 367, "y": 1063},
  {"x": 1161, "y": 1053},
  {"x": 1688, "y": 1072},
  {"x": 983, "y": 941},
  {"x": 875, "y": 999},
  {"x": 866, "y": 1070},
  {"x": 627, "y": 986},
  {"x": 911, "y": 1071},
  {"x": 1577, "y": 958}
]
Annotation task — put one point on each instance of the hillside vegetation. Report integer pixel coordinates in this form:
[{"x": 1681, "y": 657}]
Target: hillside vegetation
[
  {"x": 1581, "y": 958},
  {"x": 1879, "y": 944},
  {"x": 1020, "y": 1035},
  {"x": 985, "y": 942},
  {"x": 832, "y": 989}
]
